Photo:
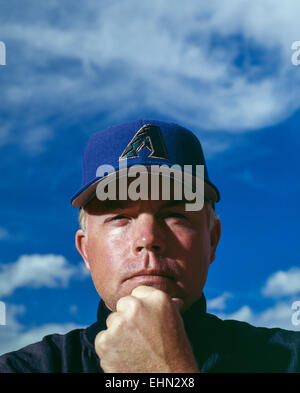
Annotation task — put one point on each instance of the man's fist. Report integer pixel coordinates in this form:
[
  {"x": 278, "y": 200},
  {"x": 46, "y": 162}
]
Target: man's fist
[{"x": 145, "y": 334}]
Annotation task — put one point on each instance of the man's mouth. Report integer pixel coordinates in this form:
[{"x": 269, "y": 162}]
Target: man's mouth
[
  {"x": 151, "y": 276},
  {"x": 161, "y": 279}
]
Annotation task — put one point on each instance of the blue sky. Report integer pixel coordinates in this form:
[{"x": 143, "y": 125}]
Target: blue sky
[{"x": 222, "y": 69}]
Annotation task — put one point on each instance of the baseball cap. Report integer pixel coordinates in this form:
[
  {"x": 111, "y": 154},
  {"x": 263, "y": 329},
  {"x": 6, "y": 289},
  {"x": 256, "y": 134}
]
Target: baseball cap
[{"x": 144, "y": 142}]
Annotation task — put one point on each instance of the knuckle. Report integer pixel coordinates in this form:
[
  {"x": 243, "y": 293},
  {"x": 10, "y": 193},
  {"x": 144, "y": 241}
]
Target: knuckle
[
  {"x": 111, "y": 319},
  {"x": 140, "y": 290},
  {"x": 101, "y": 341},
  {"x": 129, "y": 303},
  {"x": 135, "y": 307},
  {"x": 116, "y": 322},
  {"x": 122, "y": 303},
  {"x": 135, "y": 302},
  {"x": 130, "y": 307},
  {"x": 161, "y": 297}
]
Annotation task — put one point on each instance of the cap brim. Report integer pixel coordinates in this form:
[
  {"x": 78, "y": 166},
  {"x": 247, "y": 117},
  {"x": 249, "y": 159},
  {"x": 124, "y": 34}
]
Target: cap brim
[{"x": 85, "y": 194}]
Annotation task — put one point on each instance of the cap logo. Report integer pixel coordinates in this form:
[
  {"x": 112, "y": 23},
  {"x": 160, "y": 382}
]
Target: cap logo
[{"x": 148, "y": 136}]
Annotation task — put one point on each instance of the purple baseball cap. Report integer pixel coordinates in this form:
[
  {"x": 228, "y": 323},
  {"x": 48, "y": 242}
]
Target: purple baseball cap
[{"x": 144, "y": 142}]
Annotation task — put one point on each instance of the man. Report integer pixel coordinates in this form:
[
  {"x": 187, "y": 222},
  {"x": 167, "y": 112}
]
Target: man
[{"x": 148, "y": 236}]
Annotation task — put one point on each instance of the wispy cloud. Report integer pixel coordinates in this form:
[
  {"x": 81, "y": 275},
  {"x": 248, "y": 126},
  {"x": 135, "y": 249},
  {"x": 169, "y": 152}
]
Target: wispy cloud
[
  {"x": 35, "y": 139},
  {"x": 280, "y": 315},
  {"x": 14, "y": 335},
  {"x": 284, "y": 287},
  {"x": 247, "y": 177},
  {"x": 35, "y": 271},
  {"x": 283, "y": 283},
  {"x": 219, "y": 303},
  {"x": 188, "y": 64}
]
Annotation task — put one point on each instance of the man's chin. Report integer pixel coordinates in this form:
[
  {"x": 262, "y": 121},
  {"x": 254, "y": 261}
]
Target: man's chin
[{"x": 165, "y": 284}]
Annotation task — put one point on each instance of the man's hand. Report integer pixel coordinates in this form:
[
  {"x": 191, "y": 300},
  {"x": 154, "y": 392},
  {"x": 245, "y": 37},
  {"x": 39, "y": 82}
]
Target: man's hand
[{"x": 145, "y": 334}]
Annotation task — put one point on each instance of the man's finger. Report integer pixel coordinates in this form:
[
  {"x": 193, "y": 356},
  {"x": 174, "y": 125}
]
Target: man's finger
[
  {"x": 123, "y": 303},
  {"x": 112, "y": 319},
  {"x": 143, "y": 291}
]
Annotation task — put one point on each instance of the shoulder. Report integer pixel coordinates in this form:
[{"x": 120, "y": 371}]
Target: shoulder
[
  {"x": 258, "y": 349},
  {"x": 243, "y": 331},
  {"x": 48, "y": 355}
]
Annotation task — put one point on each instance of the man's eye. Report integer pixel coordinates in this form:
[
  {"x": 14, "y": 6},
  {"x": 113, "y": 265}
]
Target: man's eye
[
  {"x": 175, "y": 215},
  {"x": 119, "y": 217}
]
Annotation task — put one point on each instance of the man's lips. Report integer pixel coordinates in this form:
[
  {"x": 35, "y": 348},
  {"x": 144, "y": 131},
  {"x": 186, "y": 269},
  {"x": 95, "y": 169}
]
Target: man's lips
[
  {"x": 150, "y": 276},
  {"x": 164, "y": 279}
]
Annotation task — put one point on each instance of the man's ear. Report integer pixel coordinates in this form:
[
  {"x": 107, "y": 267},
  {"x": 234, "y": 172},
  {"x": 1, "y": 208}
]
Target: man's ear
[
  {"x": 81, "y": 245},
  {"x": 215, "y": 234}
]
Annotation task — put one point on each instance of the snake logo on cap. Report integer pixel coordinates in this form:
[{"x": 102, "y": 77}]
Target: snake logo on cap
[{"x": 148, "y": 136}]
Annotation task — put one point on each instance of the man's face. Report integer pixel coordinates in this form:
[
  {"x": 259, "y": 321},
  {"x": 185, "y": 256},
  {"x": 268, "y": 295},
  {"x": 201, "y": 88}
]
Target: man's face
[{"x": 154, "y": 243}]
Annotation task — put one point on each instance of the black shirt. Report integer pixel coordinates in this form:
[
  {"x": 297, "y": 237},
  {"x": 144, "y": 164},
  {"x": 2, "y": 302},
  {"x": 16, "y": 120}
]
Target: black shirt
[{"x": 219, "y": 346}]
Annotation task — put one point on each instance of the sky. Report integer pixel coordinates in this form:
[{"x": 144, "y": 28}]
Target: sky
[{"x": 223, "y": 69}]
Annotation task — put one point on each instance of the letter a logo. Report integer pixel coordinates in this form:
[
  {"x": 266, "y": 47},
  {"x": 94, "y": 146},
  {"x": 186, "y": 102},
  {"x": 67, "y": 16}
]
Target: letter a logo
[{"x": 148, "y": 136}]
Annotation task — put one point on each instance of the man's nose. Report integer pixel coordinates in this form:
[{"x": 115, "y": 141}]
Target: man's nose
[{"x": 148, "y": 235}]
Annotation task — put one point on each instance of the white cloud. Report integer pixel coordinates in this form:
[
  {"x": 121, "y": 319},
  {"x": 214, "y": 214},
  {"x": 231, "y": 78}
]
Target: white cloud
[
  {"x": 283, "y": 283},
  {"x": 219, "y": 303},
  {"x": 159, "y": 55},
  {"x": 278, "y": 316},
  {"x": 33, "y": 271},
  {"x": 14, "y": 335},
  {"x": 36, "y": 271},
  {"x": 35, "y": 139},
  {"x": 242, "y": 314},
  {"x": 283, "y": 313}
]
